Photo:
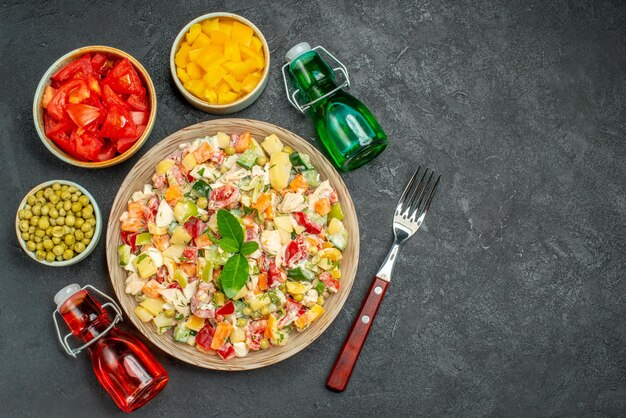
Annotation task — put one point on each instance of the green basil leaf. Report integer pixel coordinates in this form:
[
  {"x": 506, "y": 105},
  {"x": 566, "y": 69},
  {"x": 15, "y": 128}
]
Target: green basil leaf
[
  {"x": 229, "y": 226},
  {"x": 228, "y": 245},
  {"x": 234, "y": 275},
  {"x": 249, "y": 247}
]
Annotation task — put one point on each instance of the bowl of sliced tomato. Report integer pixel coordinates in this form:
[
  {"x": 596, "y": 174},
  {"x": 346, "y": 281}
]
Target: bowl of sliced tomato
[{"x": 95, "y": 107}]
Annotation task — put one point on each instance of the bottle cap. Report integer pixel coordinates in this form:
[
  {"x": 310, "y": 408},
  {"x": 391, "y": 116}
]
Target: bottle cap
[
  {"x": 297, "y": 50},
  {"x": 63, "y": 294}
]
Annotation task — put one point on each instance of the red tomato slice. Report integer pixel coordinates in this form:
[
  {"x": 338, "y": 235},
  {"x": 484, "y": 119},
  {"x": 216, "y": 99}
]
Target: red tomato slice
[
  {"x": 118, "y": 124},
  {"x": 98, "y": 63},
  {"x": 88, "y": 145},
  {"x": 227, "y": 309},
  {"x": 79, "y": 68},
  {"x": 48, "y": 94},
  {"x": 107, "y": 152},
  {"x": 54, "y": 128},
  {"x": 138, "y": 102},
  {"x": 82, "y": 114},
  {"x": 139, "y": 118},
  {"x": 71, "y": 90},
  {"x": 124, "y": 144},
  {"x": 94, "y": 85},
  {"x": 123, "y": 79},
  {"x": 111, "y": 98}
]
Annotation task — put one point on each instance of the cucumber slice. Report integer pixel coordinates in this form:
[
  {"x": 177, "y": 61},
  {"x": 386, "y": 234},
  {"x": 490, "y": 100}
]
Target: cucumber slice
[
  {"x": 312, "y": 177},
  {"x": 143, "y": 239},
  {"x": 123, "y": 251},
  {"x": 301, "y": 160},
  {"x": 247, "y": 159},
  {"x": 340, "y": 239}
]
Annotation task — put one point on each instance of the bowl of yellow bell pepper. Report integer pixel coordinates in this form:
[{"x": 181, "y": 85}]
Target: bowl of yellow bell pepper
[{"x": 220, "y": 62}]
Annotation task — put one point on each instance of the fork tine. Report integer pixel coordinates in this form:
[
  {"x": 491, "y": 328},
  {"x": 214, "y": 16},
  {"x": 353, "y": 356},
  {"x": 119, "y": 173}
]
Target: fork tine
[
  {"x": 417, "y": 196},
  {"x": 407, "y": 189},
  {"x": 426, "y": 206}
]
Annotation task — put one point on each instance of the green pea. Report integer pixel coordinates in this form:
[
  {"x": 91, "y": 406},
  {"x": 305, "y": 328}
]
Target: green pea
[
  {"x": 39, "y": 194},
  {"x": 241, "y": 322},
  {"x": 56, "y": 186},
  {"x": 40, "y": 233},
  {"x": 47, "y": 192},
  {"x": 79, "y": 235},
  {"x": 86, "y": 227},
  {"x": 57, "y": 250},
  {"x": 246, "y": 311},
  {"x": 54, "y": 199},
  {"x": 59, "y": 205},
  {"x": 89, "y": 234},
  {"x": 261, "y": 161},
  {"x": 40, "y": 254},
  {"x": 57, "y": 231},
  {"x": 70, "y": 239},
  {"x": 60, "y": 220},
  {"x": 77, "y": 207},
  {"x": 298, "y": 298},
  {"x": 86, "y": 241},
  {"x": 50, "y": 257},
  {"x": 204, "y": 218},
  {"x": 37, "y": 239},
  {"x": 87, "y": 212},
  {"x": 72, "y": 189},
  {"x": 31, "y": 245},
  {"x": 53, "y": 213},
  {"x": 91, "y": 221},
  {"x": 64, "y": 186},
  {"x": 25, "y": 236},
  {"x": 170, "y": 313},
  {"x": 24, "y": 225},
  {"x": 74, "y": 198},
  {"x": 56, "y": 240},
  {"x": 65, "y": 195},
  {"x": 70, "y": 220},
  {"x": 34, "y": 220},
  {"x": 84, "y": 200},
  {"x": 48, "y": 244},
  {"x": 41, "y": 201},
  {"x": 264, "y": 343},
  {"x": 44, "y": 223},
  {"x": 230, "y": 150},
  {"x": 67, "y": 229},
  {"x": 39, "y": 246},
  {"x": 67, "y": 206},
  {"x": 62, "y": 212},
  {"x": 31, "y": 229},
  {"x": 79, "y": 247},
  {"x": 31, "y": 200},
  {"x": 53, "y": 222},
  {"x": 46, "y": 210},
  {"x": 67, "y": 254},
  {"x": 37, "y": 209},
  {"x": 79, "y": 222},
  {"x": 202, "y": 202},
  {"x": 28, "y": 214}
]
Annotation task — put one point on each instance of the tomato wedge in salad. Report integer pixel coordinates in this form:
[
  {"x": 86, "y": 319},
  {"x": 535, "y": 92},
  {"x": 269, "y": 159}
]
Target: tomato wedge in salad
[{"x": 95, "y": 107}]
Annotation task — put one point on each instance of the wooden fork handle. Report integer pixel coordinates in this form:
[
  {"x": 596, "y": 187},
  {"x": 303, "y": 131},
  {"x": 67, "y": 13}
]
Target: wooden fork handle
[{"x": 341, "y": 371}]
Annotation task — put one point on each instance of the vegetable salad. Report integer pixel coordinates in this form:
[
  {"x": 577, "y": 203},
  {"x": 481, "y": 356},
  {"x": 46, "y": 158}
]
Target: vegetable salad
[{"x": 233, "y": 245}]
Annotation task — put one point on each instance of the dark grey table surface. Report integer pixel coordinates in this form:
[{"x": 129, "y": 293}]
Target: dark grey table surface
[{"x": 511, "y": 301}]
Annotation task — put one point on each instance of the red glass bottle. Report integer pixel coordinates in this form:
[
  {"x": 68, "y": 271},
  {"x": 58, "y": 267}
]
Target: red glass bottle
[{"x": 122, "y": 364}]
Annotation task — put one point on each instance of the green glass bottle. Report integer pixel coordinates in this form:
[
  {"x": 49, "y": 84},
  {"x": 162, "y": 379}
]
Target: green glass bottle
[{"x": 346, "y": 127}]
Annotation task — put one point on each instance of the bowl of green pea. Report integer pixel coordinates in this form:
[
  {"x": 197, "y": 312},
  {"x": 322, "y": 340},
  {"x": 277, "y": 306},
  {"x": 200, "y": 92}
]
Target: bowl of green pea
[{"x": 58, "y": 223}]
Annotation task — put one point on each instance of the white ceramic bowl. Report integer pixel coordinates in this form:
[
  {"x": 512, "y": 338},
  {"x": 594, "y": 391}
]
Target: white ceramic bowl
[
  {"x": 239, "y": 104},
  {"x": 94, "y": 239}
]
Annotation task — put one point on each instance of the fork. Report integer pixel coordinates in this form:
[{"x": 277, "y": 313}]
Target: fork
[{"x": 409, "y": 215}]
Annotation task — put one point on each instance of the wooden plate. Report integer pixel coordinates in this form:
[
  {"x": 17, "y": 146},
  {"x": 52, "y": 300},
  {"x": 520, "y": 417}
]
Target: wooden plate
[{"x": 142, "y": 173}]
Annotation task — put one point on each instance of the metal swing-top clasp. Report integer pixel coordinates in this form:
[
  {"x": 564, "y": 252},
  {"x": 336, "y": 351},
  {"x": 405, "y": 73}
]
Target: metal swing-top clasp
[
  {"x": 64, "y": 340},
  {"x": 292, "y": 96}
]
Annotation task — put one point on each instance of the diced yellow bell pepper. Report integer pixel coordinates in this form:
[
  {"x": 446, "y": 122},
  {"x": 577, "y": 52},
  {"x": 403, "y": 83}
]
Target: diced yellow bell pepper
[
  {"x": 182, "y": 75},
  {"x": 195, "y": 87},
  {"x": 143, "y": 314},
  {"x": 222, "y": 87},
  {"x": 214, "y": 75},
  {"x": 234, "y": 85},
  {"x": 218, "y": 37},
  {"x": 182, "y": 56},
  {"x": 295, "y": 288},
  {"x": 154, "y": 306},
  {"x": 210, "y": 96},
  {"x": 208, "y": 57},
  {"x": 241, "y": 33},
  {"x": 333, "y": 254},
  {"x": 336, "y": 273},
  {"x": 221, "y": 332},
  {"x": 255, "y": 43},
  {"x": 194, "y": 54},
  {"x": 231, "y": 51},
  {"x": 272, "y": 327},
  {"x": 163, "y": 166},
  {"x": 193, "y": 33},
  {"x": 308, "y": 317},
  {"x": 201, "y": 41},
  {"x": 226, "y": 28},
  {"x": 219, "y": 298},
  {"x": 250, "y": 82},
  {"x": 195, "y": 323},
  {"x": 209, "y": 25},
  {"x": 194, "y": 71}
]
